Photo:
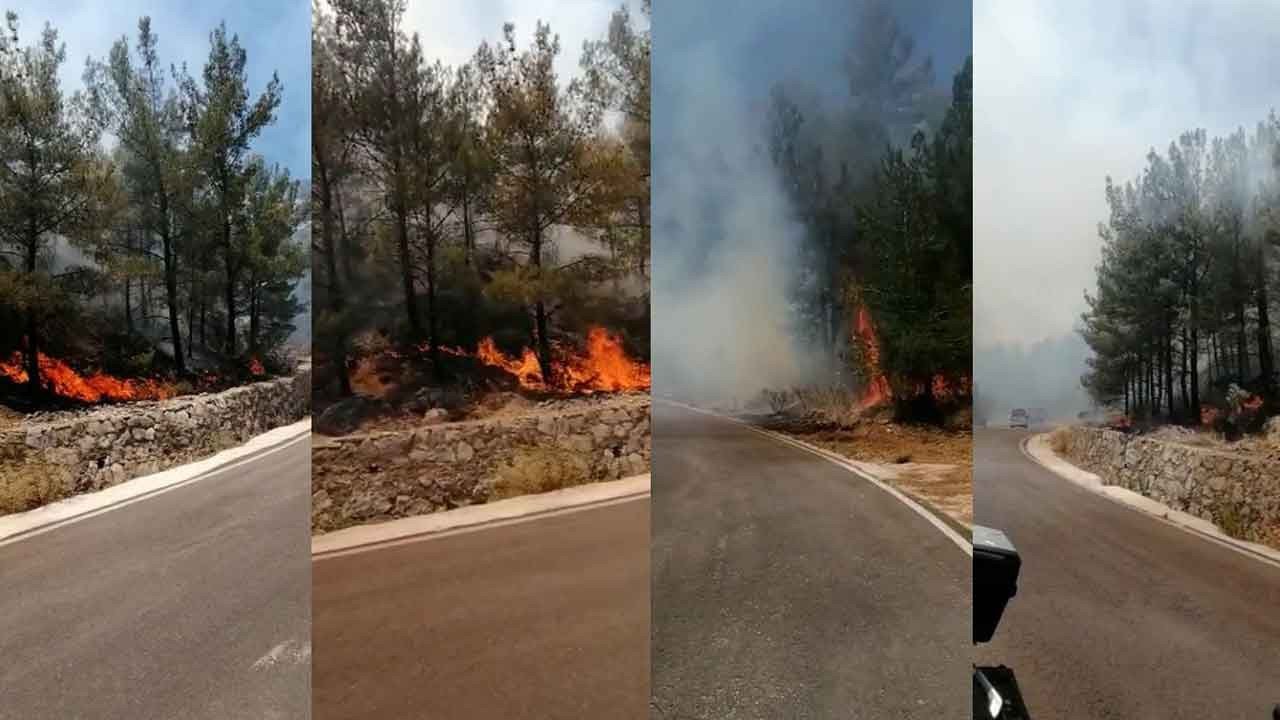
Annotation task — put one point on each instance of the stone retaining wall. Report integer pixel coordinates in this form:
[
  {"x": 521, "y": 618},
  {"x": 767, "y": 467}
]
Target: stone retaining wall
[
  {"x": 379, "y": 476},
  {"x": 106, "y": 446},
  {"x": 1240, "y": 494}
]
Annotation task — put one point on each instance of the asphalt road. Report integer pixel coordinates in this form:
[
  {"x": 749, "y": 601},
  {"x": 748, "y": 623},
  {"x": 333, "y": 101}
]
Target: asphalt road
[
  {"x": 785, "y": 586},
  {"x": 545, "y": 619},
  {"x": 1119, "y": 615},
  {"x": 167, "y": 608}
]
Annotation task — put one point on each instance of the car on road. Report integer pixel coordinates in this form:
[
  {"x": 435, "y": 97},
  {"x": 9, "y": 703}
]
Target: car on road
[{"x": 1019, "y": 418}]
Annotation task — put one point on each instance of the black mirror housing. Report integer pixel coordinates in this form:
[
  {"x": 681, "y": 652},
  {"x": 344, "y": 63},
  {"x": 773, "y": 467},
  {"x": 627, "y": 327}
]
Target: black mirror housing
[{"x": 995, "y": 579}]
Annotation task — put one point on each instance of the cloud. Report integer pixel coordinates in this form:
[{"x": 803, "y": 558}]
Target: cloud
[{"x": 1068, "y": 93}]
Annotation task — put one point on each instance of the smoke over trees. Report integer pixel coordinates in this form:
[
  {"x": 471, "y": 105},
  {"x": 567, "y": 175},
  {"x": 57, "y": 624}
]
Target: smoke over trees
[
  {"x": 459, "y": 186},
  {"x": 883, "y": 189},
  {"x": 138, "y": 225},
  {"x": 1188, "y": 279}
]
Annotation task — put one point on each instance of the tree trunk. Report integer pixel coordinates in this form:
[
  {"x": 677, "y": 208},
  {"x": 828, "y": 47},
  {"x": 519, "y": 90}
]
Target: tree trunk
[
  {"x": 406, "y": 269},
  {"x": 1195, "y": 374},
  {"x": 336, "y": 298},
  {"x": 230, "y": 340},
  {"x": 128, "y": 305},
  {"x": 191, "y": 314},
  {"x": 1266, "y": 361},
  {"x": 254, "y": 315},
  {"x": 1182, "y": 376},
  {"x": 433, "y": 341},
  {"x": 1168, "y": 373},
  {"x": 540, "y": 314},
  {"x": 468, "y": 232},
  {"x": 1126, "y": 393},
  {"x": 171, "y": 284},
  {"x": 33, "y": 322},
  {"x": 1242, "y": 344}
]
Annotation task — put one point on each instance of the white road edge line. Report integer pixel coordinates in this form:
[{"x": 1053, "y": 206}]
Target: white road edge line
[
  {"x": 934, "y": 520},
  {"x": 22, "y": 526},
  {"x": 473, "y": 518},
  {"x": 290, "y": 651},
  {"x": 1154, "y": 509}
]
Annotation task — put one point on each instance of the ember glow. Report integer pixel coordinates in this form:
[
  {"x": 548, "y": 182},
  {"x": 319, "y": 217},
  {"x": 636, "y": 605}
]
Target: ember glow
[
  {"x": 62, "y": 380},
  {"x": 255, "y": 367},
  {"x": 603, "y": 367}
]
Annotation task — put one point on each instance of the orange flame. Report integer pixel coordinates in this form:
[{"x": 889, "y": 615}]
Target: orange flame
[
  {"x": 255, "y": 367},
  {"x": 63, "y": 380},
  {"x": 877, "y": 390},
  {"x": 604, "y": 366}
]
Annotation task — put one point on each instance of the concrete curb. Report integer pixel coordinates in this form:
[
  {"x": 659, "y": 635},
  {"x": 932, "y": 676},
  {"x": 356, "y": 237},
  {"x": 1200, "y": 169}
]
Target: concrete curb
[
  {"x": 1038, "y": 450},
  {"x": 19, "y": 526},
  {"x": 942, "y": 525},
  {"x": 362, "y": 538}
]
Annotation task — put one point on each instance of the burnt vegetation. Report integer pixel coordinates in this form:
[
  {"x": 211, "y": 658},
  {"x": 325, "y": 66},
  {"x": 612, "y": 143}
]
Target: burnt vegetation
[
  {"x": 145, "y": 248},
  {"x": 474, "y": 223}
]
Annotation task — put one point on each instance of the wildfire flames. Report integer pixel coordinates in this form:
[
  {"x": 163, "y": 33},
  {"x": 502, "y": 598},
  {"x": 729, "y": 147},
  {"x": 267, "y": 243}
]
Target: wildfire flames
[
  {"x": 604, "y": 366},
  {"x": 255, "y": 367},
  {"x": 878, "y": 391},
  {"x": 96, "y": 387}
]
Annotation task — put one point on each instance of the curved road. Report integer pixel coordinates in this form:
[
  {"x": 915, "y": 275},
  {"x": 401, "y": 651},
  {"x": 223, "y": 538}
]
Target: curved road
[
  {"x": 193, "y": 603},
  {"x": 1120, "y": 615},
  {"x": 785, "y": 586}
]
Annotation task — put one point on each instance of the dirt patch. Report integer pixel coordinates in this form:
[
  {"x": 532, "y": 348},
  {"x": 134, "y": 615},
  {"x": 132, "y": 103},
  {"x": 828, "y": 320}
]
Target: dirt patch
[
  {"x": 932, "y": 464},
  {"x": 948, "y": 488}
]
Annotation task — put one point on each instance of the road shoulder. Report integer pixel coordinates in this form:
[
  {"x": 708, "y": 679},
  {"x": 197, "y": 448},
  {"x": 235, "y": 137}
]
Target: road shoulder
[
  {"x": 1038, "y": 449},
  {"x": 360, "y": 538},
  {"x": 19, "y": 526}
]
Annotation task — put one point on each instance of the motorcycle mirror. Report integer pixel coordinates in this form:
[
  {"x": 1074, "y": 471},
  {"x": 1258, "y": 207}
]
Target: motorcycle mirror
[{"x": 995, "y": 579}]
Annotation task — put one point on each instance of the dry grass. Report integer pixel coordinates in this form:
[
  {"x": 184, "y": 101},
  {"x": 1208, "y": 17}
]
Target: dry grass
[
  {"x": 1060, "y": 440},
  {"x": 539, "y": 470},
  {"x": 933, "y": 464},
  {"x": 30, "y": 486}
]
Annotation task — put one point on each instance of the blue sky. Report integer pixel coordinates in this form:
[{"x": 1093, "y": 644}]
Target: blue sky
[{"x": 276, "y": 35}]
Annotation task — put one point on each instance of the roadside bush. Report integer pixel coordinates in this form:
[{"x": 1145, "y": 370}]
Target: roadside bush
[
  {"x": 539, "y": 470},
  {"x": 1060, "y": 440},
  {"x": 30, "y": 486}
]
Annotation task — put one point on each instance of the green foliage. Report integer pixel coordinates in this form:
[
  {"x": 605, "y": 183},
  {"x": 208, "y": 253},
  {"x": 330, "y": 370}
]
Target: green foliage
[
  {"x": 443, "y": 196},
  {"x": 1188, "y": 279},
  {"x": 178, "y": 218}
]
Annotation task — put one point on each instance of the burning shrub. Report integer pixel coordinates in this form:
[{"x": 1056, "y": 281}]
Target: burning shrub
[{"x": 1242, "y": 414}]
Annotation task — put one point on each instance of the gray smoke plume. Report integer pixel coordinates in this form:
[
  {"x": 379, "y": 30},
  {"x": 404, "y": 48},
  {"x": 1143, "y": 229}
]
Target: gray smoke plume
[{"x": 726, "y": 241}]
